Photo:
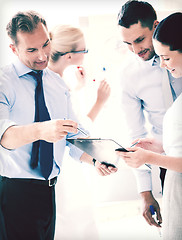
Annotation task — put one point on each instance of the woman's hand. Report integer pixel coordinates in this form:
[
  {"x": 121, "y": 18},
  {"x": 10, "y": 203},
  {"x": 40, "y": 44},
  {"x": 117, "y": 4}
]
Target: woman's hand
[
  {"x": 150, "y": 144},
  {"x": 80, "y": 75},
  {"x": 135, "y": 157},
  {"x": 103, "y": 92}
]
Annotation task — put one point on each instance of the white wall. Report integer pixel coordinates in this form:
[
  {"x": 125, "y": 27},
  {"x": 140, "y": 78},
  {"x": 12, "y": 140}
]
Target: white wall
[{"x": 65, "y": 11}]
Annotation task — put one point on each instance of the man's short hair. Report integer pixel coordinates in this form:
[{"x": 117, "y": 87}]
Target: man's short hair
[
  {"x": 23, "y": 22},
  {"x": 134, "y": 11}
]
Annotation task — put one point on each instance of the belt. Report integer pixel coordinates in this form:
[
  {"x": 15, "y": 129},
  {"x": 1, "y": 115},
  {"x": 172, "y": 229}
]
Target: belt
[{"x": 49, "y": 183}]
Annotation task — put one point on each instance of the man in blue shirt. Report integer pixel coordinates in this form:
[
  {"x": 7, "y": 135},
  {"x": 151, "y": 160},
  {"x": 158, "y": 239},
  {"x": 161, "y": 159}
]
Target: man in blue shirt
[{"x": 27, "y": 200}]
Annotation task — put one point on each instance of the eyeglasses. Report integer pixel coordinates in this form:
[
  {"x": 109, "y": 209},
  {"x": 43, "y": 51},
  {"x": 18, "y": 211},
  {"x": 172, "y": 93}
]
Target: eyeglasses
[{"x": 81, "y": 51}]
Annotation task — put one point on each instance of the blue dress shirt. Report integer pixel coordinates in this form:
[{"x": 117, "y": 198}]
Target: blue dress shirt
[{"x": 17, "y": 107}]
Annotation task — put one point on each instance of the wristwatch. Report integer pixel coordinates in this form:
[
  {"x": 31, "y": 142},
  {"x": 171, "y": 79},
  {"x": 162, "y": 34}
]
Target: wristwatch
[{"x": 94, "y": 160}]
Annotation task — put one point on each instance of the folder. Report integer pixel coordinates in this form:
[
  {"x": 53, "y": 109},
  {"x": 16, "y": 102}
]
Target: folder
[{"x": 103, "y": 150}]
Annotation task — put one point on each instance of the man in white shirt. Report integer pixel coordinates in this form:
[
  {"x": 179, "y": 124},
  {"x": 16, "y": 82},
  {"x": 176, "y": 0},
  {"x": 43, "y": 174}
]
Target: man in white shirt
[{"x": 143, "y": 83}]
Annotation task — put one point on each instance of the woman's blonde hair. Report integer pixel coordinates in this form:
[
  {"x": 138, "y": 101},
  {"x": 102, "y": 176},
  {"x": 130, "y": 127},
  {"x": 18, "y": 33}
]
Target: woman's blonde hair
[{"x": 64, "y": 38}]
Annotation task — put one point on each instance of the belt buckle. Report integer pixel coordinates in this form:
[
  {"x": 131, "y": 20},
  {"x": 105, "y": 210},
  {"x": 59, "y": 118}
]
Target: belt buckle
[{"x": 52, "y": 181}]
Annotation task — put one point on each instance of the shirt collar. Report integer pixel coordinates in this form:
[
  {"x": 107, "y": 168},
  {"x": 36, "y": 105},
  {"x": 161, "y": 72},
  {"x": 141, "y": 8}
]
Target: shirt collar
[
  {"x": 150, "y": 62},
  {"x": 21, "y": 69}
]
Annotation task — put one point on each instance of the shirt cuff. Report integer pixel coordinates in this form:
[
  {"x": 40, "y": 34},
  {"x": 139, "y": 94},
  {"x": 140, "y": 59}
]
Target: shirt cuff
[
  {"x": 144, "y": 180},
  {"x": 4, "y": 125},
  {"x": 75, "y": 152}
]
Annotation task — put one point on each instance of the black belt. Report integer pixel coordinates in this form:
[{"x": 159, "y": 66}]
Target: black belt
[{"x": 50, "y": 182}]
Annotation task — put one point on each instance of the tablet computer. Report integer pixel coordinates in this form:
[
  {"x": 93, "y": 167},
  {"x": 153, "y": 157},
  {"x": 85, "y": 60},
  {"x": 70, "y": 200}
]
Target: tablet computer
[{"x": 103, "y": 150}]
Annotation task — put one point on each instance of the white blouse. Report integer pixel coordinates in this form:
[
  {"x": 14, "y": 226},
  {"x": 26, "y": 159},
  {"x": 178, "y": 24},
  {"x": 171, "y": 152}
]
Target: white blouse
[{"x": 172, "y": 135}]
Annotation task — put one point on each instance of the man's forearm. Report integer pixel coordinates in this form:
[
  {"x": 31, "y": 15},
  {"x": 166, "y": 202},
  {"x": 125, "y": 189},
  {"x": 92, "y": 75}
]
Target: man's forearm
[{"x": 17, "y": 136}]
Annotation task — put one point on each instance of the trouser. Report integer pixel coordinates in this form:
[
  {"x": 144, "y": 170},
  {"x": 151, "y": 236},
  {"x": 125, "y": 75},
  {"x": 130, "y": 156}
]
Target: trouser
[
  {"x": 27, "y": 210},
  {"x": 162, "y": 177}
]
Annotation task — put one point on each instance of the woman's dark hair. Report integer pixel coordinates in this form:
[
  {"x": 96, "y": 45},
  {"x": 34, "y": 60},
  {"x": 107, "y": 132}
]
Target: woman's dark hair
[
  {"x": 134, "y": 11},
  {"x": 169, "y": 31},
  {"x": 23, "y": 22}
]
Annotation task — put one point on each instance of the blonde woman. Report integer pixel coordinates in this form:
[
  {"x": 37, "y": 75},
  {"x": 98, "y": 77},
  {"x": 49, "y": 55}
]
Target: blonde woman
[{"x": 68, "y": 48}]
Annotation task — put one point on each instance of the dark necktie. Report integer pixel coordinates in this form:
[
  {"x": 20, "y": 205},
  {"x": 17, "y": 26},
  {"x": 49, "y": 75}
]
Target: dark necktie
[
  {"x": 156, "y": 61},
  {"x": 41, "y": 151}
]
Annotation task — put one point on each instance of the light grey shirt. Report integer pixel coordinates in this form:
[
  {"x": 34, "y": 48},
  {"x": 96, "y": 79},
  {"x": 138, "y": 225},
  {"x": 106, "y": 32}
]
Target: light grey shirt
[{"x": 143, "y": 98}]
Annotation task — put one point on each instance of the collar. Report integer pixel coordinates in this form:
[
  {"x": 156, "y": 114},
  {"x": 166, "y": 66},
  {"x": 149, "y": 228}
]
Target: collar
[
  {"x": 150, "y": 62},
  {"x": 21, "y": 69}
]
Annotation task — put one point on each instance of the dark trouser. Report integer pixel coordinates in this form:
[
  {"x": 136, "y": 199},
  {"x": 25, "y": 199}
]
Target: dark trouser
[
  {"x": 162, "y": 177},
  {"x": 27, "y": 210}
]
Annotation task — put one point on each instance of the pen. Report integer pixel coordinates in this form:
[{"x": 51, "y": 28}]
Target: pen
[
  {"x": 148, "y": 165},
  {"x": 153, "y": 213},
  {"x": 136, "y": 144},
  {"x": 80, "y": 69},
  {"x": 77, "y": 129},
  {"x": 82, "y": 131}
]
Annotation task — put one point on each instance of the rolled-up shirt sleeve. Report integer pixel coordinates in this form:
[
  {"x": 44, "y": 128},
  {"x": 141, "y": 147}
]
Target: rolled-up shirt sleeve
[
  {"x": 4, "y": 125},
  {"x": 5, "y": 107}
]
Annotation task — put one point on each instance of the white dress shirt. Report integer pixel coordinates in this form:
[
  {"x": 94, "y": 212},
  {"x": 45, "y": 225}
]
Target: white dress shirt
[{"x": 143, "y": 98}]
